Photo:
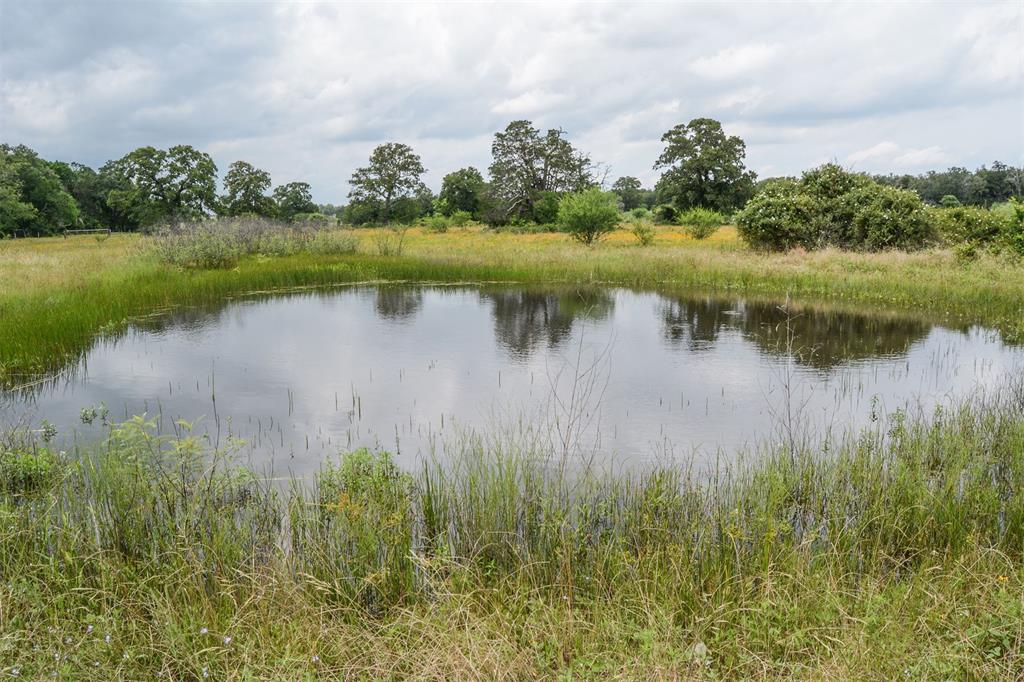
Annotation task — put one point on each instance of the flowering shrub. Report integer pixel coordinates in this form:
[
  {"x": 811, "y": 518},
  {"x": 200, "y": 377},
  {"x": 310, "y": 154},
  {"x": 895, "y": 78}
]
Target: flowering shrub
[{"x": 829, "y": 206}]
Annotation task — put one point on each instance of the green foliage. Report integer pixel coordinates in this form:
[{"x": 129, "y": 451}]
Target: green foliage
[
  {"x": 979, "y": 226},
  {"x": 526, "y": 164},
  {"x": 153, "y": 185},
  {"x": 983, "y": 187},
  {"x": 588, "y": 215},
  {"x": 630, "y": 192},
  {"x": 461, "y": 191},
  {"x": 545, "y": 210},
  {"x": 665, "y": 214},
  {"x": 703, "y": 167},
  {"x": 314, "y": 219},
  {"x": 386, "y": 189},
  {"x": 644, "y": 233},
  {"x": 701, "y": 223},
  {"x": 949, "y": 201},
  {"x": 640, "y": 213},
  {"x": 27, "y": 469},
  {"x": 247, "y": 188},
  {"x": 829, "y": 206},
  {"x": 293, "y": 199},
  {"x": 890, "y": 218},
  {"x": 33, "y": 199},
  {"x": 358, "y": 538}
]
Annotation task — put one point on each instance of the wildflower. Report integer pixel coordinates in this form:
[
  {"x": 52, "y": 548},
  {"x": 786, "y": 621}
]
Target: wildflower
[
  {"x": 316, "y": 659},
  {"x": 1003, "y": 578},
  {"x": 203, "y": 631},
  {"x": 88, "y": 630},
  {"x": 227, "y": 640},
  {"x": 107, "y": 638},
  {"x": 206, "y": 671},
  {"x": 15, "y": 671}
]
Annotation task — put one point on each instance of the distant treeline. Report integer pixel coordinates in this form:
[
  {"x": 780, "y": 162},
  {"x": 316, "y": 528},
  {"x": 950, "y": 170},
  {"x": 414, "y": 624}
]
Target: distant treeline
[{"x": 530, "y": 172}]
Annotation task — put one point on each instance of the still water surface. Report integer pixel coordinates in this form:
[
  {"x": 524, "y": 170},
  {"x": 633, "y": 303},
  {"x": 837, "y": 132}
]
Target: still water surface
[{"x": 408, "y": 369}]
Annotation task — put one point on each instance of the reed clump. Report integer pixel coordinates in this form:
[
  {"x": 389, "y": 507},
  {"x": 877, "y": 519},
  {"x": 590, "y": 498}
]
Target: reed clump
[{"x": 893, "y": 553}]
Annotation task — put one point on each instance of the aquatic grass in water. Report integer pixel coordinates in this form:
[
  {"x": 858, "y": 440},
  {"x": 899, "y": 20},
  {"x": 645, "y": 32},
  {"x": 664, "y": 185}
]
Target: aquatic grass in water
[{"x": 897, "y": 551}]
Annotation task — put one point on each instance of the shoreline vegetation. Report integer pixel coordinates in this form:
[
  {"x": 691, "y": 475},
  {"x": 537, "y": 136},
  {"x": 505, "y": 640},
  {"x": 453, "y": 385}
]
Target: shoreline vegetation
[
  {"x": 895, "y": 554},
  {"x": 57, "y": 295}
]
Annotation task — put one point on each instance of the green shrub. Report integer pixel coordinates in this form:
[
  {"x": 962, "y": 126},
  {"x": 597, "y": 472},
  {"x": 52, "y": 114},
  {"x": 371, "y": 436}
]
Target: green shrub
[
  {"x": 665, "y": 214},
  {"x": 545, "y": 210},
  {"x": 889, "y": 218},
  {"x": 640, "y": 213},
  {"x": 589, "y": 215},
  {"x": 644, "y": 233},
  {"x": 949, "y": 201},
  {"x": 437, "y": 223},
  {"x": 829, "y": 206},
  {"x": 778, "y": 218},
  {"x": 700, "y": 222},
  {"x": 314, "y": 219},
  {"x": 27, "y": 470},
  {"x": 979, "y": 226}
]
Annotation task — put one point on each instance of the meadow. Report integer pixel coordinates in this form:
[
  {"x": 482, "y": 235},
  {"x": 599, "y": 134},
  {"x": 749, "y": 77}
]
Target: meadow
[{"x": 893, "y": 553}]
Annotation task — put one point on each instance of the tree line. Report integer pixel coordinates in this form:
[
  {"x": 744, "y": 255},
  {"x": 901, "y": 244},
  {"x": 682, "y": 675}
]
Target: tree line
[{"x": 531, "y": 171}]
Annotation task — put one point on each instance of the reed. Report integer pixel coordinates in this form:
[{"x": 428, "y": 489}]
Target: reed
[{"x": 896, "y": 552}]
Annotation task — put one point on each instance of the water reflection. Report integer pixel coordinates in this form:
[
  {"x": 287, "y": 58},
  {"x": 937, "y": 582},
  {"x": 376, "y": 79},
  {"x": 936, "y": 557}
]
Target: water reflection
[
  {"x": 302, "y": 375},
  {"x": 523, "y": 320},
  {"x": 816, "y": 338}
]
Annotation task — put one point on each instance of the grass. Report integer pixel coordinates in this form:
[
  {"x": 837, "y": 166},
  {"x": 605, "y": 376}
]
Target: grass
[
  {"x": 56, "y": 295},
  {"x": 895, "y": 555}
]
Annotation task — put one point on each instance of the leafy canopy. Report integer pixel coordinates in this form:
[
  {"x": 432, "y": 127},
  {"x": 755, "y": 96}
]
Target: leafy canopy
[
  {"x": 703, "y": 167},
  {"x": 246, "y": 188},
  {"x": 526, "y": 164},
  {"x": 389, "y": 182},
  {"x": 154, "y": 185}
]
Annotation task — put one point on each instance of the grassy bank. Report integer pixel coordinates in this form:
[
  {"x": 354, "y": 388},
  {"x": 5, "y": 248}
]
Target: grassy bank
[
  {"x": 896, "y": 555},
  {"x": 56, "y": 295}
]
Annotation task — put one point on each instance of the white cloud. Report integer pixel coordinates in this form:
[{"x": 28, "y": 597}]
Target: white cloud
[
  {"x": 734, "y": 61},
  {"x": 305, "y": 90}
]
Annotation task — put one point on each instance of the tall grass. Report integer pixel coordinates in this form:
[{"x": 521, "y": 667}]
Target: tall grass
[{"x": 895, "y": 553}]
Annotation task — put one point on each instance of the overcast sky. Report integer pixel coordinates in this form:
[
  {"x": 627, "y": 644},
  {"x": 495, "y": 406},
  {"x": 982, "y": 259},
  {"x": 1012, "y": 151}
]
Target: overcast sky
[{"x": 306, "y": 90}]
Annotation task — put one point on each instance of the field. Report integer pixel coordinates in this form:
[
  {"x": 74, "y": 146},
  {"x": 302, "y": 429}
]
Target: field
[{"x": 894, "y": 554}]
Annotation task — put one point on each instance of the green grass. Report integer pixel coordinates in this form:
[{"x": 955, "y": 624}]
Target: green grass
[
  {"x": 895, "y": 555},
  {"x": 57, "y": 295}
]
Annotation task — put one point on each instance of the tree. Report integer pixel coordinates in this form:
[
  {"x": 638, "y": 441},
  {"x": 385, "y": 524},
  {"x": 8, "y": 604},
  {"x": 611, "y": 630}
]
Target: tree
[
  {"x": 589, "y": 215},
  {"x": 32, "y": 197},
  {"x": 153, "y": 184},
  {"x": 629, "y": 191},
  {"x": 246, "y": 188},
  {"x": 525, "y": 164},
  {"x": 294, "y": 198},
  {"x": 461, "y": 190},
  {"x": 704, "y": 167},
  {"x": 393, "y": 175}
]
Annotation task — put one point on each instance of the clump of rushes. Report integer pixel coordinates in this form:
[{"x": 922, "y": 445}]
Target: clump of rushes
[
  {"x": 896, "y": 553},
  {"x": 222, "y": 242}
]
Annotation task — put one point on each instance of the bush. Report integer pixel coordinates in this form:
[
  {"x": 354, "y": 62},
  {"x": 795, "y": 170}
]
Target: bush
[
  {"x": 829, "y": 206},
  {"x": 640, "y": 213},
  {"x": 777, "y": 219},
  {"x": 545, "y": 210},
  {"x": 27, "y": 471},
  {"x": 979, "y": 226},
  {"x": 665, "y": 214},
  {"x": 949, "y": 201},
  {"x": 589, "y": 215},
  {"x": 314, "y": 219},
  {"x": 890, "y": 218},
  {"x": 701, "y": 223},
  {"x": 644, "y": 233}
]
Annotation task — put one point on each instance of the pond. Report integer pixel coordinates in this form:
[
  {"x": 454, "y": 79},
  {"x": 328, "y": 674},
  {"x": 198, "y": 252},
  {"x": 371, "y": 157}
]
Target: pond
[{"x": 616, "y": 374}]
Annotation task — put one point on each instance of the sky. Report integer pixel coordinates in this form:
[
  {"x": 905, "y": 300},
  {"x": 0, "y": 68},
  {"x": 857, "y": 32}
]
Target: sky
[{"x": 305, "y": 90}]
